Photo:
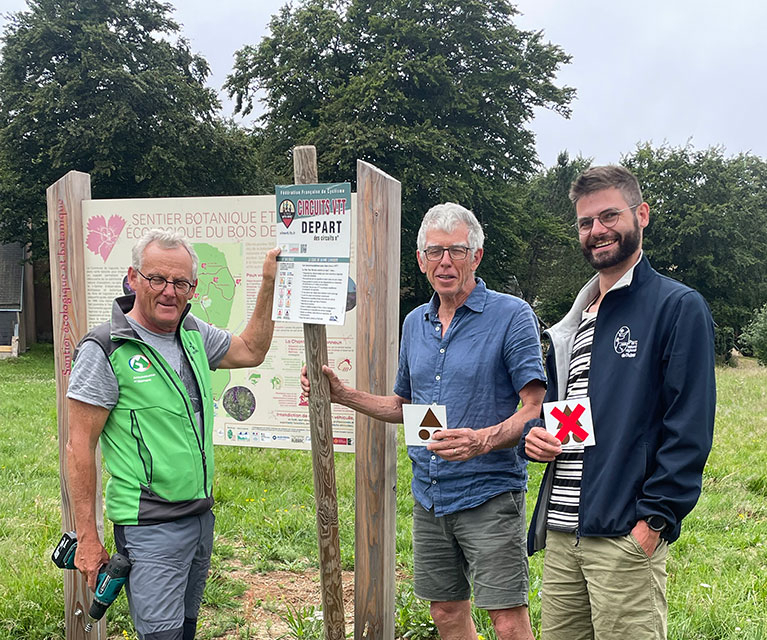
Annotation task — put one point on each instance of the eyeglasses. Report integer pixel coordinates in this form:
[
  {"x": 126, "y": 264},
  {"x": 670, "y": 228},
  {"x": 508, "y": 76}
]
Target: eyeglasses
[
  {"x": 456, "y": 252},
  {"x": 158, "y": 283},
  {"x": 607, "y": 218}
]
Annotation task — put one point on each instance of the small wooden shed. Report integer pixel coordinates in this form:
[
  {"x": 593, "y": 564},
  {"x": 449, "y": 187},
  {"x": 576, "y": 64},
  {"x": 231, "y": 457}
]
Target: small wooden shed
[{"x": 15, "y": 282}]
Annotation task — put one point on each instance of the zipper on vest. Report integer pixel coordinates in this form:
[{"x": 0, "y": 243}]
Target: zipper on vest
[
  {"x": 148, "y": 473},
  {"x": 192, "y": 419}
]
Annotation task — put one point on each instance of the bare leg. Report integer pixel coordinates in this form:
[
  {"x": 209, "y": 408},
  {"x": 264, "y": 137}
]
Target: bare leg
[
  {"x": 512, "y": 624},
  {"x": 453, "y": 620}
]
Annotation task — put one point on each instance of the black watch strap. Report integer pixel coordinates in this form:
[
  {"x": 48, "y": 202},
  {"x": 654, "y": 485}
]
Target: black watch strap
[{"x": 656, "y": 523}]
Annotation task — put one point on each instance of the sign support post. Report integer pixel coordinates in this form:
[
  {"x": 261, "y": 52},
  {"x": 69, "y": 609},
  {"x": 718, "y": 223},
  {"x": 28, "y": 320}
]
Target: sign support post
[
  {"x": 378, "y": 269},
  {"x": 65, "y": 232},
  {"x": 321, "y": 426}
]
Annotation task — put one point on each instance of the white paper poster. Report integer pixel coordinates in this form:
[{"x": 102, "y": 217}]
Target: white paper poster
[{"x": 314, "y": 233}]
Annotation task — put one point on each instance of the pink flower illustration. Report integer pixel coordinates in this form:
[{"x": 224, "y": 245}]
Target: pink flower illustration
[{"x": 103, "y": 235}]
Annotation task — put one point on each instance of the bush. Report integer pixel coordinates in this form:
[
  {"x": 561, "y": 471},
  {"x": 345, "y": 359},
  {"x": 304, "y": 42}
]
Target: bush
[
  {"x": 724, "y": 341},
  {"x": 755, "y": 335}
]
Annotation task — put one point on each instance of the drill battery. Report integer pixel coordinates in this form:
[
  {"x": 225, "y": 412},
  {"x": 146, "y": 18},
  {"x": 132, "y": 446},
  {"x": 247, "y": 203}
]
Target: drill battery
[{"x": 63, "y": 555}]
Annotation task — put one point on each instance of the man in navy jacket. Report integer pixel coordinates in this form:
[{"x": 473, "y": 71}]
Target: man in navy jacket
[{"x": 640, "y": 347}]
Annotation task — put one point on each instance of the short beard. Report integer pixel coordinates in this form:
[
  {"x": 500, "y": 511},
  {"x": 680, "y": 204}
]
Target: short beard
[{"x": 627, "y": 245}]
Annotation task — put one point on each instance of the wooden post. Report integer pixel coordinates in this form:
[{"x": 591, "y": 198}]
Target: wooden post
[
  {"x": 65, "y": 239},
  {"x": 30, "y": 331},
  {"x": 321, "y": 428},
  {"x": 378, "y": 267}
]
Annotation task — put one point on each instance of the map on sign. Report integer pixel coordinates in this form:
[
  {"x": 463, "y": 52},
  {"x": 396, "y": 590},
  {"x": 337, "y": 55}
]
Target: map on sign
[
  {"x": 258, "y": 407},
  {"x": 219, "y": 280}
]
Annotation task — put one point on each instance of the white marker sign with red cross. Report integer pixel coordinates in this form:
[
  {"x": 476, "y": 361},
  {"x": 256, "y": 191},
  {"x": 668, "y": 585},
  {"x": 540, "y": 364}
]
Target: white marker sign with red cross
[{"x": 570, "y": 422}]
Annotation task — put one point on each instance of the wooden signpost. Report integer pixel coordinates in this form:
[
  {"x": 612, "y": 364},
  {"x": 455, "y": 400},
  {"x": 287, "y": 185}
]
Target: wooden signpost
[
  {"x": 321, "y": 427},
  {"x": 65, "y": 240},
  {"x": 378, "y": 260},
  {"x": 378, "y": 251}
]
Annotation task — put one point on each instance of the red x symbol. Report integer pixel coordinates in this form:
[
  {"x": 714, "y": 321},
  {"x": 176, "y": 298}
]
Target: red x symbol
[{"x": 570, "y": 422}]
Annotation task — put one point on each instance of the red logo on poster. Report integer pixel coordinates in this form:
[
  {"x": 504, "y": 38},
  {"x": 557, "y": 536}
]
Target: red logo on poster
[{"x": 287, "y": 212}]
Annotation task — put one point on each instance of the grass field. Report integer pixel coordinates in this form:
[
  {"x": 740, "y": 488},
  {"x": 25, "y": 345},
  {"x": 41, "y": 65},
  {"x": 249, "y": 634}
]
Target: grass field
[{"x": 265, "y": 520}]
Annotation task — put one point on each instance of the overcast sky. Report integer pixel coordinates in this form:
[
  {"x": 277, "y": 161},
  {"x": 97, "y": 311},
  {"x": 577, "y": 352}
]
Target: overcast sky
[{"x": 660, "y": 71}]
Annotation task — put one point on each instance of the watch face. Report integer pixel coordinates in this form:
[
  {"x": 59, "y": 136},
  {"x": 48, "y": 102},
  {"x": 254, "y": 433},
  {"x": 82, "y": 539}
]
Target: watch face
[{"x": 656, "y": 523}]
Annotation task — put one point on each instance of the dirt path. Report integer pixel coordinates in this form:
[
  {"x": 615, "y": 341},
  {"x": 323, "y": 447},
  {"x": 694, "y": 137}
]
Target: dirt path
[{"x": 269, "y": 595}]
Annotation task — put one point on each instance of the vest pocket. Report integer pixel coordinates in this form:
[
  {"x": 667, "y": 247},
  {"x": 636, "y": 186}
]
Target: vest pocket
[{"x": 143, "y": 451}]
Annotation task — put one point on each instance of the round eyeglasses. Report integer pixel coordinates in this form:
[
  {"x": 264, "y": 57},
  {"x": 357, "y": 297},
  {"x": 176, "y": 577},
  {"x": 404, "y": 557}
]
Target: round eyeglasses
[
  {"x": 607, "y": 218},
  {"x": 158, "y": 283}
]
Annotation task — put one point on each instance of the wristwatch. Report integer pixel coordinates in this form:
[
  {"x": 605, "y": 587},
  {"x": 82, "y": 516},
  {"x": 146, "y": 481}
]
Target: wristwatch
[{"x": 656, "y": 523}]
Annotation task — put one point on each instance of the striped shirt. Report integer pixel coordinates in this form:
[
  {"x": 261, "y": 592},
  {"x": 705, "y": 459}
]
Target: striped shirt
[{"x": 568, "y": 469}]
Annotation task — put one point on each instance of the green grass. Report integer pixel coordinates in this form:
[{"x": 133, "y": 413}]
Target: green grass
[{"x": 265, "y": 520}]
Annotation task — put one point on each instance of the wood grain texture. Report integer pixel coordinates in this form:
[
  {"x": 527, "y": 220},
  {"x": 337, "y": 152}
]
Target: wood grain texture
[
  {"x": 378, "y": 262},
  {"x": 65, "y": 239},
  {"x": 321, "y": 429}
]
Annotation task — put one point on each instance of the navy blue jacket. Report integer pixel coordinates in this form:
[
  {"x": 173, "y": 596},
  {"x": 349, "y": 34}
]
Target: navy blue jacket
[{"x": 653, "y": 397}]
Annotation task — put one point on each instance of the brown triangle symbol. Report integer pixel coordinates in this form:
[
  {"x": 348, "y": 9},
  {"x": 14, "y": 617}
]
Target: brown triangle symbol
[
  {"x": 567, "y": 412},
  {"x": 430, "y": 420}
]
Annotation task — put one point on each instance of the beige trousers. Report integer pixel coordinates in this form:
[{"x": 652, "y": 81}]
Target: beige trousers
[{"x": 602, "y": 589}]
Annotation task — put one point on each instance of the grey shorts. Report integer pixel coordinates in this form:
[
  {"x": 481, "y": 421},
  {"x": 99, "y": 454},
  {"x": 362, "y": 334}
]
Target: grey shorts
[
  {"x": 169, "y": 567},
  {"x": 483, "y": 547}
]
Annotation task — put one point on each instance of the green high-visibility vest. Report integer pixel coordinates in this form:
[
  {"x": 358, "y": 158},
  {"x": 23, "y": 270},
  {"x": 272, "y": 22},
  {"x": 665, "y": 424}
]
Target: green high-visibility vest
[{"x": 159, "y": 459}]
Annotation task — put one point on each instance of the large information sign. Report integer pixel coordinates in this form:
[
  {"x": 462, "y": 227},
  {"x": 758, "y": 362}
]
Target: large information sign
[
  {"x": 314, "y": 234},
  {"x": 260, "y": 407}
]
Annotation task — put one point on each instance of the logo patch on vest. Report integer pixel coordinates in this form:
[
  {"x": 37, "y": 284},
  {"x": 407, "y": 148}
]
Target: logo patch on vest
[
  {"x": 624, "y": 346},
  {"x": 139, "y": 363}
]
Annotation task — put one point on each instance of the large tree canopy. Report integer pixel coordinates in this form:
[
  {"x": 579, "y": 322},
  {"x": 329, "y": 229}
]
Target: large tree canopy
[
  {"x": 708, "y": 224},
  {"x": 106, "y": 87},
  {"x": 437, "y": 93}
]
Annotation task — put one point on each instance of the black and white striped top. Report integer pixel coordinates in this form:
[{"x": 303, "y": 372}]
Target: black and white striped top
[{"x": 568, "y": 469}]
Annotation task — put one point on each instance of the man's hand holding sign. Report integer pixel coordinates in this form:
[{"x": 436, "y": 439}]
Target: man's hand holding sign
[{"x": 568, "y": 426}]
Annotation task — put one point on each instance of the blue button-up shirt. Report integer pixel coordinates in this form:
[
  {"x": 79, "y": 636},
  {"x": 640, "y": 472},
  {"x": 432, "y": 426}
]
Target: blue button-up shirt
[{"x": 490, "y": 351}]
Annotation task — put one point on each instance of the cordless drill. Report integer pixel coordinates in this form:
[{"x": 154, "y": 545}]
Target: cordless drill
[{"x": 110, "y": 580}]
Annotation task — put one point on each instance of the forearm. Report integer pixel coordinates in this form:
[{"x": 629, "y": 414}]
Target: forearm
[
  {"x": 85, "y": 425},
  {"x": 507, "y": 433},
  {"x": 384, "y": 408},
  {"x": 81, "y": 467},
  {"x": 257, "y": 335}
]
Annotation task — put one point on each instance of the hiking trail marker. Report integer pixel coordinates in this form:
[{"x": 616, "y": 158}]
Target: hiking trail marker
[{"x": 570, "y": 422}]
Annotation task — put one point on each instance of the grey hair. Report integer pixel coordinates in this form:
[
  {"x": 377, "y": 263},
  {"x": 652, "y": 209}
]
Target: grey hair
[
  {"x": 167, "y": 240},
  {"x": 446, "y": 217}
]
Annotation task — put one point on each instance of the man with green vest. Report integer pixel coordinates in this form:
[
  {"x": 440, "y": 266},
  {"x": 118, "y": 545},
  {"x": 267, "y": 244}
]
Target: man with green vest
[{"x": 140, "y": 385}]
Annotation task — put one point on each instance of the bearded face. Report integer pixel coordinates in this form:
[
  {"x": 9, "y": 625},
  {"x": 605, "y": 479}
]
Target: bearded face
[{"x": 611, "y": 247}]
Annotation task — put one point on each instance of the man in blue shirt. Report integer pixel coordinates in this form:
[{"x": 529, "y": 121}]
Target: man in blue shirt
[{"x": 478, "y": 353}]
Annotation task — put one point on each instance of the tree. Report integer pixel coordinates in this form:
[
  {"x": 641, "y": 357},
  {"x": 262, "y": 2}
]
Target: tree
[
  {"x": 755, "y": 335},
  {"x": 554, "y": 269},
  {"x": 436, "y": 93},
  {"x": 107, "y": 87},
  {"x": 708, "y": 224}
]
